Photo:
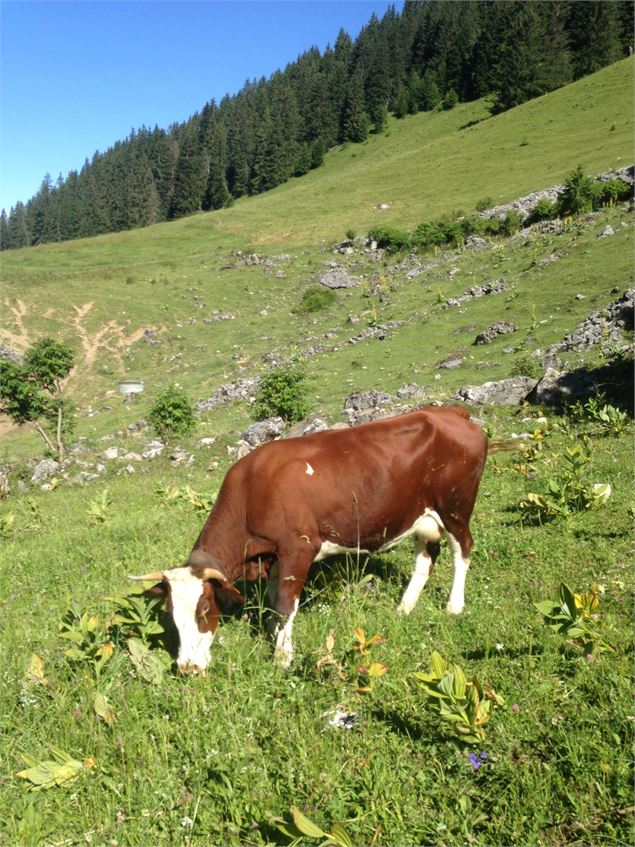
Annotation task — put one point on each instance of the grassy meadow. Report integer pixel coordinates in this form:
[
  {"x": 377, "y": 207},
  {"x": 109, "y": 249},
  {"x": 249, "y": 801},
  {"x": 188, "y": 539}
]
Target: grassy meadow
[{"x": 162, "y": 759}]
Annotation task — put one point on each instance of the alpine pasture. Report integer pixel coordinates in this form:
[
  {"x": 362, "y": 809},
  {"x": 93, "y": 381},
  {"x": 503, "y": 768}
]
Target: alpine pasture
[{"x": 142, "y": 755}]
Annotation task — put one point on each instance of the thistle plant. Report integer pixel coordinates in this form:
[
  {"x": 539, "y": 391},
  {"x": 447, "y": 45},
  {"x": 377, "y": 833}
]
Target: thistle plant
[{"x": 464, "y": 705}]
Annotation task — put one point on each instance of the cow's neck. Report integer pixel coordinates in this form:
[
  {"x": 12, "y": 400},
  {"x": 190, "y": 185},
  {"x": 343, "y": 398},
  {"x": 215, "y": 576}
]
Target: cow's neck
[{"x": 224, "y": 536}]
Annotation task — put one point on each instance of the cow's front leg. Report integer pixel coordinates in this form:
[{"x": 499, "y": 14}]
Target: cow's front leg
[{"x": 293, "y": 568}]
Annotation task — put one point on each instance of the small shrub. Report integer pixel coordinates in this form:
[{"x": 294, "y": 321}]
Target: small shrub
[
  {"x": 391, "y": 238},
  {"x": 512, "y": 222},
  {"x": 351, "y": 234},
  {"x": 544, "y": 210},
  {"x": 172, "y": 414},
  {"x": 314, "y": 299},
  {"x": 450, "y": 100},
  {"x": 596, "y": 410},
  {"x": 483, "y": 203},
  {"x": 610, "y": 192},
  {"x": 578, "y": 195},
  {"x": 282, "y": 393},
  {"x": 526, "y": 365}
]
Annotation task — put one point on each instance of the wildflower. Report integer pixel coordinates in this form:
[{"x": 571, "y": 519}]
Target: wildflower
[
  {"x": 77, "y": 713},
  {"x": 474, "y": 759},
  {"x": 187, "y": 821},
  {"x": 515, "y": 708},
  {"x": 500, "y": 646}
]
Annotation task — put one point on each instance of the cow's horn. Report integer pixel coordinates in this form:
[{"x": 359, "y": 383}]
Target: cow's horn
[
  {"x": 147, "y": 577},
  {"x": 213, "y": 573}
]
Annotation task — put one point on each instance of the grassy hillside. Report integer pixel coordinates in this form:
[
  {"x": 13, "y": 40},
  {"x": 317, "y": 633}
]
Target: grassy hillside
[{"x": 215, "y": 760}]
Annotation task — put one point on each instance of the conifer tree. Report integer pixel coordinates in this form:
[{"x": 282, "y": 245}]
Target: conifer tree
[{"x": 355, "y": 123}]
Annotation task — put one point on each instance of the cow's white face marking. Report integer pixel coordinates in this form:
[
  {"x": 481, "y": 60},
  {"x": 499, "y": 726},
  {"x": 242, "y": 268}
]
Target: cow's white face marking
[
  {"x": 194, "y": 646},
  {"x": 309, "y": 469}
]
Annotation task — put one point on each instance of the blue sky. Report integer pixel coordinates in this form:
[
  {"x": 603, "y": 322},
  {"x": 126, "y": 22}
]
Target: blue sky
[{"x": 77, "y": 76}]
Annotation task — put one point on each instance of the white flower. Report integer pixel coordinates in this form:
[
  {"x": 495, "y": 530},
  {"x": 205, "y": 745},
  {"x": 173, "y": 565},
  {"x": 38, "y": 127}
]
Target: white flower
[{"x": 187, "y": 821}]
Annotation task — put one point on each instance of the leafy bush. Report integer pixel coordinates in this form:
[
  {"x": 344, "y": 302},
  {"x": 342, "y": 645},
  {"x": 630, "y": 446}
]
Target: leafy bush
[
  {"x": 544, "y": 210},
  {"x": 578, "y": 195},
  {"x": 282, "y": 393},
  {"x": 391, "y": 238},
  {"x": 314, "y": 299},
  {"x": 483, "y": 203},
  {"x": 512, "y": 222},
  {"x": 596, "y": 410},
  {"x": 526, "y": 365},
  {"x": 351, "y": 234},
  {"x": 610, "y": 192},
  {"x": 172, "y": 414}
]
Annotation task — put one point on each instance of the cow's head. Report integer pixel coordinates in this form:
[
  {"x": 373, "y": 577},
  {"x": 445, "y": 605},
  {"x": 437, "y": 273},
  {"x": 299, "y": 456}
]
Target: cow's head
[{"x": 194, "y": 593}]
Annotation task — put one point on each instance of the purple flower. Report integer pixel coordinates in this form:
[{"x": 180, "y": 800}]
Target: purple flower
[
  {"x": 515, "y": 708},
  {"x": 476, "y": 762},
  {"x": 483, "y": 756}
]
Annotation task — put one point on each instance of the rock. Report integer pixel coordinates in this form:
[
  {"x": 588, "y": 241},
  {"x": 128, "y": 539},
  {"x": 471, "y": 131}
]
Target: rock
[
  {"x": 85, "y": 476},
  {"x": 383, "y": 206},
  {"x": 556, "y": 387},
  {"x": 5, "y": 488},
  {"x": 263, "y": 431},
  {"x": 504, "y": 392},
  {"x": 352, "y": 319},
  {"x": 338, "y": 278},
  {"x": 110, "y": 454},
  {"x": 475, "y": 242},
  {"x": 44, "y": 470},
  {"x": 603, "y": 325},
  {"x": 242, "y": 389},
  {"x": 452, "y": 363},
  {"x": 607, "y": 232},
  {"x": 263, "y": 313},
  {"x": 494, "y": 287},
  {"x": 580, "y": 296},
  {"x": 381, "y": 332},
  {"x": 9, "y": 355},
  {"x": 493, "y": 331},
  {"x": 361, "y": 401},
  {"x": 314, "y": 423},
  {"x": 179, "y": 456},
  {"x": 153, "y": 449},
  {"x": 409, "y": 389},
  {"x": 207, "y": 441},
  {"x": 133, "y": 457}
]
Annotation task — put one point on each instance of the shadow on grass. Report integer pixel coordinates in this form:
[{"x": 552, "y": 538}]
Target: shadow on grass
[{"x": 506, "y": 652}]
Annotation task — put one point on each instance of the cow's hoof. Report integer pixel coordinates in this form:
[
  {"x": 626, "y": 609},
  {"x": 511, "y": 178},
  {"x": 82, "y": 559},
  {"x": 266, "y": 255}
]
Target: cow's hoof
[{"x": 451, "y": 609}]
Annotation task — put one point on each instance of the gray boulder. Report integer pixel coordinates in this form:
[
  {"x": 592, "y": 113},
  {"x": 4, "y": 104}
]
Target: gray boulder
[
  {"x": 314, "y": 423},
  {"x": 504, "y": 392},
  {"x": 338, "y": 278},
  {"x": 44, "y": 470},
  {"x": 556, "y": 387},
  {"x": 263, "y": 431},
  {"x": 9, "y": 355},
  {"x": 361, "y": 401}
]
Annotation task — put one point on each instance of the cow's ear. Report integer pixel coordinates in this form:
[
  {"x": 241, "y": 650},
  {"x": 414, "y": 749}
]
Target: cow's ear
[
  {"x": 158, "y": 591},
  {"x": 227, "y": 594}
]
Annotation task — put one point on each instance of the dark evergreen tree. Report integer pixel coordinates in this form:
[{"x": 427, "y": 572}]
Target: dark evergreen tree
[
  {"x": 4, "y": 230},
  {"x": 595, "y": 35},
  {"x": 190, "y": 179},
  {"x": 355, "y": 123},
  {"x": 521, "y": 69}
]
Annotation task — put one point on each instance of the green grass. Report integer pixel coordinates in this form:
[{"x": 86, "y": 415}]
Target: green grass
[
  {"x": 246, "y": 742},
  {"x": 228, "y": 751}
]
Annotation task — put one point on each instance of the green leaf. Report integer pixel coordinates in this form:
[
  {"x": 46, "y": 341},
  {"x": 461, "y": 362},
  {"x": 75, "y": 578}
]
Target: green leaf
[
  {"x": 340, "y": 836},
  {"x": 459, "y": 683},
  {"x": 150, "y": 666},
  {"x": 48, "y": 773},
  {"x": 103, "y": 709},
  {"x": 568, "y": 600},
  {"x": 306, "y": 826},
  {"x": 439, "y": 666}
]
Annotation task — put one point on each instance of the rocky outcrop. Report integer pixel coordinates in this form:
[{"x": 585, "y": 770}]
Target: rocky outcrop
[
  {"x": 504, "y": 392},
  {"x": 603, "y": 325},
  {"x": 556, "y": 388},
  {"x": 263, "y": 431},
  {"x": 242, "y": 389},
  {"x": 338, "y": 277},
  {"x": 478, "y": 291},
  {"x": 381, "y": 331},
  {"x": 9, "y": 355}
]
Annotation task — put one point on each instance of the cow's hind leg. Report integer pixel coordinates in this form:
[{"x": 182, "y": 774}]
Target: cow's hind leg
[
  {"x": 460, "y": 542},
  {"x": 426, "y": 538}
]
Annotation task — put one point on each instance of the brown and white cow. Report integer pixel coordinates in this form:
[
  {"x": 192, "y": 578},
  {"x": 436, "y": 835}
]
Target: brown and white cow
[{"x": 294, "y": 502}]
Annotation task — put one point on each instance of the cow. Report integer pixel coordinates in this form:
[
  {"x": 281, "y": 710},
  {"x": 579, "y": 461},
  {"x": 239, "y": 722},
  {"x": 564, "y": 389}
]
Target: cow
[{"x": 293, "y": 502}]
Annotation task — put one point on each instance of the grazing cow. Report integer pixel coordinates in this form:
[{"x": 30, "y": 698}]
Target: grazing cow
[{"x": 294, "y": 502}]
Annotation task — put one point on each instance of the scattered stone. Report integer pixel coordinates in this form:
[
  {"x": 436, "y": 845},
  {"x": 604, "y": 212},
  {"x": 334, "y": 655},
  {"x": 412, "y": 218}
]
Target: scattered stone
[
  {"x": 133, "y": 457},
  {"x": 607, "y": 232},
  {"x": 362, "y": 401},
  {"x": 153, "y": 449},
  {"x": 215, "y": 318},
  {"x": 207, "y": 441},
  {"x": 383, "y": 206},
  {"x": 504, "y": 392},
  {"x": 580, "y": 296},
  {"x": 149, "y": 336},
  {"x": 475, "y": 242},
  {"x": 603, "y": 325},
  {"x": 263, "y": 313},
  {"x": 110, "y": 454},
  {"x": 242, "y": 389},
  {"x": 408, "y": 390},
  {"x": 84, "y": 477},
  {"x": 44, "y": 470},
  {"x": 452, "y": 363},
  {"x": 381, "y": 332},
  {"x": 5, "y": 488},
  {"x": 314, "y": 423},
  {"x": 263, "y": 431},
  {"x": 340, "y": 718},
  {"x": 179, "y": 456},
  {"x": 497, "y": 328},
  {"x": 478, "y": 291}
]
